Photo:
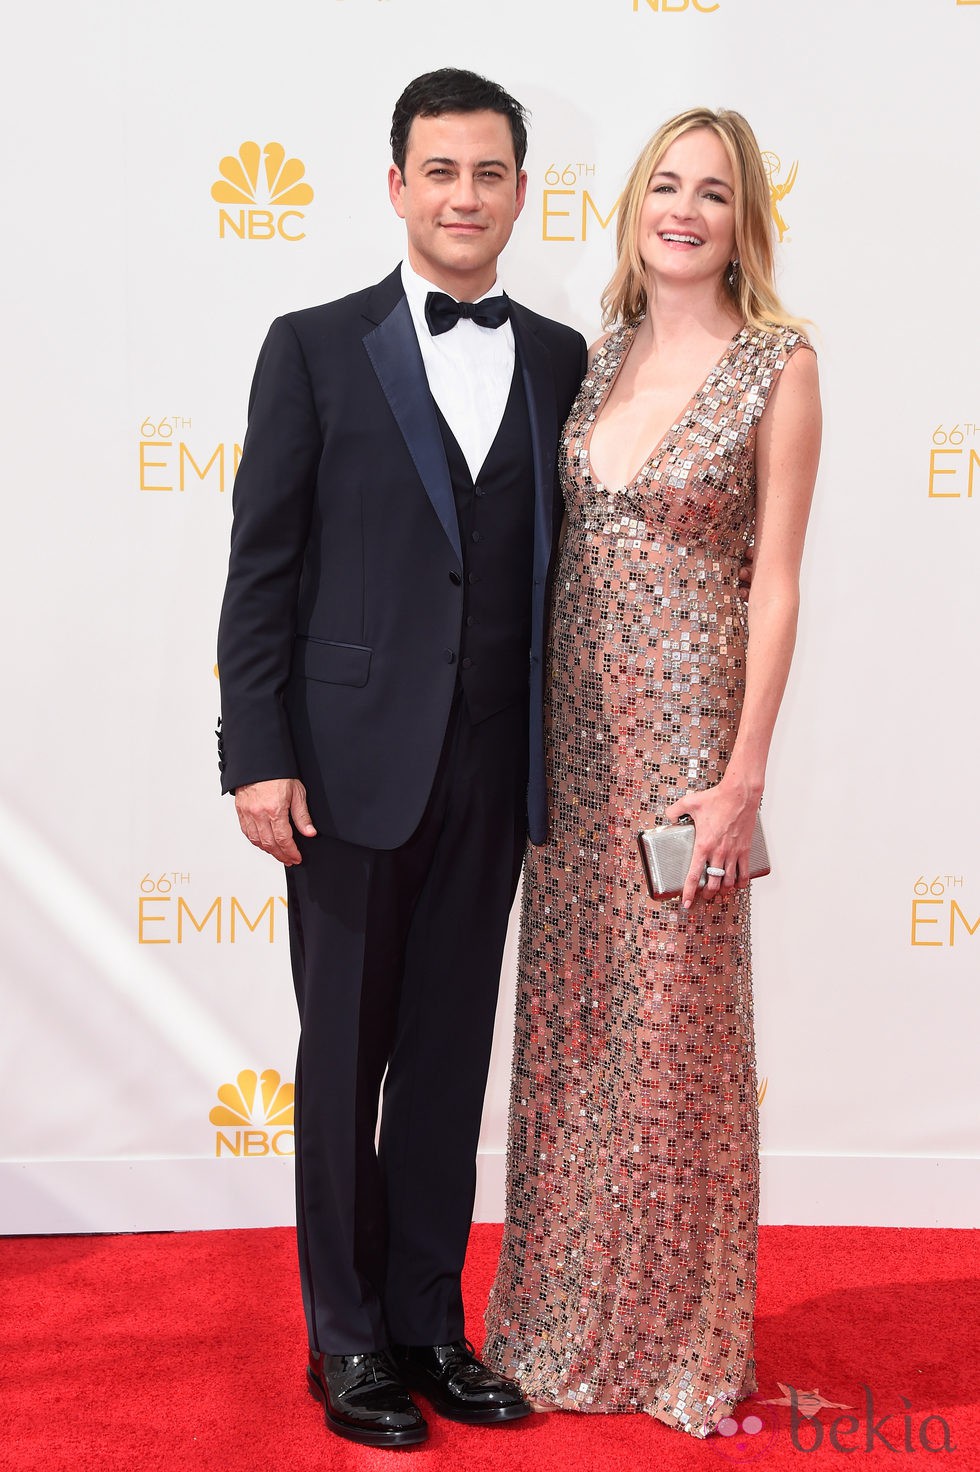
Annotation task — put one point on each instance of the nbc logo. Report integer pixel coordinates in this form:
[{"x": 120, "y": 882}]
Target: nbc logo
[
  {"x": 266, "y": 186},
  {"x": 258, "y": 1110},
  {"x": 705, "y": 6}
]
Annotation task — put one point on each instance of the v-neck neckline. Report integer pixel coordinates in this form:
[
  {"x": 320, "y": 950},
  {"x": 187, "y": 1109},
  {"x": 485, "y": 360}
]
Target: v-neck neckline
[{"x": 674, "y": 424}]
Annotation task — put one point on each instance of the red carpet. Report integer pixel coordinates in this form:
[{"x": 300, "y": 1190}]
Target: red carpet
[{"x": 165, "y": 1352}]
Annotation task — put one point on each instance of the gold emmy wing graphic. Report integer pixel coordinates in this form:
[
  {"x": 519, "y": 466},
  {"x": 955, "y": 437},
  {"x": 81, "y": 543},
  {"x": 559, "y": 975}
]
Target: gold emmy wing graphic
[
  {"x": 239, "y": 182},
  {"x": 240, "y": 1106},
  {"x": 778, "y": 190}
]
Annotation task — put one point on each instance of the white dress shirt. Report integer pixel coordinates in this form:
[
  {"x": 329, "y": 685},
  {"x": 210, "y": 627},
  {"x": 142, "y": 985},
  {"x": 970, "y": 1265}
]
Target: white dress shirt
[{"x": 469, "y": 368}]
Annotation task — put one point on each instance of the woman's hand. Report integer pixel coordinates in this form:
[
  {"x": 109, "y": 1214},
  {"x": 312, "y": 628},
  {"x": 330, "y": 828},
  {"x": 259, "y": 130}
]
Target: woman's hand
[{"x": 724, "y": 820}]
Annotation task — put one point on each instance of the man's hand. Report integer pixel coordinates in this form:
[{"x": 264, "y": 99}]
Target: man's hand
[{"x": 264, "y": 812}]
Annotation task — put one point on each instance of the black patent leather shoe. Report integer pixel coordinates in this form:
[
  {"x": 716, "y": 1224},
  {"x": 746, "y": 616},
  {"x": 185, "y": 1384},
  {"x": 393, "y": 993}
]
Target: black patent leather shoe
[
  {"x": 458, "y": 1385},
  {"x": 364, "y": 1398}
]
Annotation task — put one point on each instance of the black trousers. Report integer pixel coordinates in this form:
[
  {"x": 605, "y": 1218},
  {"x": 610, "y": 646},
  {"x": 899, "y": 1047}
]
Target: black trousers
[{"x": 396, "y": 962}]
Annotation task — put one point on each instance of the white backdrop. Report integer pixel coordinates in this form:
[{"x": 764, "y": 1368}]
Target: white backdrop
[{"x": 145, "y": 964}]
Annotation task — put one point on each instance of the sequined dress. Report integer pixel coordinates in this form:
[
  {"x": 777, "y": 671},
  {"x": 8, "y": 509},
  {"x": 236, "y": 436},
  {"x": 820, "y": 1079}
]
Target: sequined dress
[{"x": 627, "y": 1273}]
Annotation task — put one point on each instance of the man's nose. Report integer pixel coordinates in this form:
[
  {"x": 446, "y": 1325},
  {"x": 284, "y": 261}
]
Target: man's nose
[{"x": 465, "y": 195}]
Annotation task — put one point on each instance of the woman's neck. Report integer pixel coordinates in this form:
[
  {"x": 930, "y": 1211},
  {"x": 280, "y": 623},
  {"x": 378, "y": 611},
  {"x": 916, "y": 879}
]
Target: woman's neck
[{"x": 676, "y": 312}]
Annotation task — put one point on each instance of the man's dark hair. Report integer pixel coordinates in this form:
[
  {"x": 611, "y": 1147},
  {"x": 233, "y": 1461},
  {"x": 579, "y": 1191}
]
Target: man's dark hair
[{"x": 452, "y": 90}]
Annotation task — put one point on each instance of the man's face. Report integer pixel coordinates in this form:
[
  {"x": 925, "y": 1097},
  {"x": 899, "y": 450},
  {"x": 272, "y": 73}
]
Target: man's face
[{"x": 459, "y": 198}]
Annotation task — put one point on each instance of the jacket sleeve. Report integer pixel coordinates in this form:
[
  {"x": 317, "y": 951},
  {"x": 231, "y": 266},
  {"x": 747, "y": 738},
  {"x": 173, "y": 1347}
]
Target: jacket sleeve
[
  {"x": 272, "y": 506},
  {"x": 577, "y": 363}
]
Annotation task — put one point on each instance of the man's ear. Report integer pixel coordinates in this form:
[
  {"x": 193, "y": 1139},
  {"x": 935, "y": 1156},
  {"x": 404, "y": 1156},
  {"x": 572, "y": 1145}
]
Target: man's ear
[
  {"x": 396, "y": 185},
  {"x": 521, "y": 192}
]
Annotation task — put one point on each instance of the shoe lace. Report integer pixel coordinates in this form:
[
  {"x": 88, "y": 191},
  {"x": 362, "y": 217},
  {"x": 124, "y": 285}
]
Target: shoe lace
[
  {"x": 467, "y": 1362},
  {"x": 381, "y": 1367}
]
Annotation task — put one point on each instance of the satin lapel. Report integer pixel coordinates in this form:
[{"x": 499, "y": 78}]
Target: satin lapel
[
  {"x": 542, "y": 411},
  {"x": 395, "y": 357}
]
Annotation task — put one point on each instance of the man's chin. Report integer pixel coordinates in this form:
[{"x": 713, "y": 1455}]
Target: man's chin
[{"x": 466, "y": 263}]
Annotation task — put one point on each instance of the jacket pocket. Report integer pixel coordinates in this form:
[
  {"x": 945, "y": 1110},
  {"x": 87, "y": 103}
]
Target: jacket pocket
[{"x": 334, "y": 664}]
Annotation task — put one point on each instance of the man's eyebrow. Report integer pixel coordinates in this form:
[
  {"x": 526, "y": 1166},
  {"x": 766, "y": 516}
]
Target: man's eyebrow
[{"x": 483, "y": 163}]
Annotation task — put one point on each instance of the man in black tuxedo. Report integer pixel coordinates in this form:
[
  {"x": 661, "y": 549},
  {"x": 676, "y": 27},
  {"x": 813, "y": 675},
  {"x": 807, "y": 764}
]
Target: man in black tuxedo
[{"x": 380, "y": 650}]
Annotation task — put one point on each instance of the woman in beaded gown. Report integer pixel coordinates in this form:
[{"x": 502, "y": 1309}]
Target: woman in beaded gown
[{"x": 627, "y": 1274}]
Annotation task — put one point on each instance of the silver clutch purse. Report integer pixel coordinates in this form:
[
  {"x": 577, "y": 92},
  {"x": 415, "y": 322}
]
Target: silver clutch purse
[{"x": 667, "y": 852}]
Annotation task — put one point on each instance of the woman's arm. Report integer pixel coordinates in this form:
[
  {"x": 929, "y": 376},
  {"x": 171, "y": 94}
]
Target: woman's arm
[{"x": 787, "y": 451}]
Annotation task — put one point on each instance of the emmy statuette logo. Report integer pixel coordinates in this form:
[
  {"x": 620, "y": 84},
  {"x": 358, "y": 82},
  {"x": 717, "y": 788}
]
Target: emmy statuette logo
[{"x": 778, "y": 189}]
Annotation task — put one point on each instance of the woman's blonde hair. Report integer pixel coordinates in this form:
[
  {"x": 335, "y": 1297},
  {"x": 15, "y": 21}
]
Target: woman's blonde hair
[{"x": 751, "y": 288}]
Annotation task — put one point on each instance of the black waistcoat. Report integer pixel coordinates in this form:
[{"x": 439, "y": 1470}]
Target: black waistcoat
[{"x": 496, "y": 528}]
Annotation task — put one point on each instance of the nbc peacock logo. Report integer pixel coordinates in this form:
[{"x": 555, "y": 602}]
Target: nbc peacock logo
[
  {"x": 706, "y": 7},
  {"x": 257, "y": 1110},
  {"x": 263, "y": 188}
]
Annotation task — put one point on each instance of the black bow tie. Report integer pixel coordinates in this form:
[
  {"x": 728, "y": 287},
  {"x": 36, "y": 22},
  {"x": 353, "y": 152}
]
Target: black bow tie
[{"x": 442, "y": 313}]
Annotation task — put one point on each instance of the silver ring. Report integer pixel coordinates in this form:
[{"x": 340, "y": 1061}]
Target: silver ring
[{"x": 715, "y": 873}]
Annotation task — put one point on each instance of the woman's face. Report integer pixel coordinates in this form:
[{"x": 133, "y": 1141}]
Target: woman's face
[{"x": 687, "y": 221}]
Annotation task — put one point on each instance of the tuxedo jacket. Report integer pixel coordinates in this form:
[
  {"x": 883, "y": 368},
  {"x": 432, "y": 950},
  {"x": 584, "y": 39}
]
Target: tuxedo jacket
[{"x": 342, "y": 613}]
